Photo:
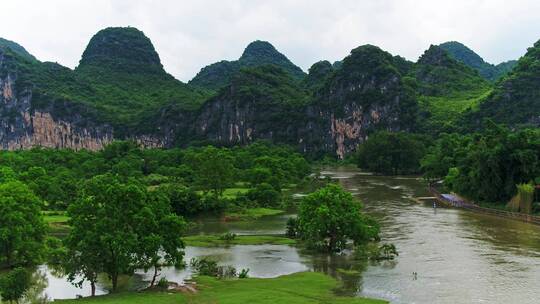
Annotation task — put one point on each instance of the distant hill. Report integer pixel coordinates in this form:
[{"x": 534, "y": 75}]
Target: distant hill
[
  {"x": 257, "y": 53},
  {"x": 468, "y": 57}
]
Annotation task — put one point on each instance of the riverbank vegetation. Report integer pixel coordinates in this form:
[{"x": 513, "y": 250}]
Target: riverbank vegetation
[
  {"x": 485, "y": 167},
  {"x": 298, "y": 288}
]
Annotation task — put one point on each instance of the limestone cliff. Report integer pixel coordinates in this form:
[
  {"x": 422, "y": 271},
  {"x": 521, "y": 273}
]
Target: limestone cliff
[
  {"x": 366, "y": 94},
  {"x": 23, "y": 125},
  {"x": 30, "y": 117}
]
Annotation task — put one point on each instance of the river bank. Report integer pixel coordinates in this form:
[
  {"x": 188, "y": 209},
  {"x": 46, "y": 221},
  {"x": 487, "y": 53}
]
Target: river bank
[
  {"x": 463, "y": 204},
  {"x": 298, "y": 288}
]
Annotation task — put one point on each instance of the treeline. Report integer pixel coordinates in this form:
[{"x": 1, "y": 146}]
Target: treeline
[
  {"x": 486, "y": 166},
  {"x": 193, "y": 178}
]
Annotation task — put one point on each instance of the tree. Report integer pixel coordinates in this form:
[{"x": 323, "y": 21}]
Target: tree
[
  {"x": 22, "y": 230},
  {"x": 83, "y": 260},
  {"x": 104, "y": 228},
  {"x": 118, "y": 227},
  {"x": 14, "y": 285},
  {"x": 329, "y": 217},
  {"x": 391, "y": 153},
  {"x": 160, "y": 233},
  {"x": 213, "y": 169},
  {"x": 184, "y": 201},
  {"x": 265, "y": 195}
]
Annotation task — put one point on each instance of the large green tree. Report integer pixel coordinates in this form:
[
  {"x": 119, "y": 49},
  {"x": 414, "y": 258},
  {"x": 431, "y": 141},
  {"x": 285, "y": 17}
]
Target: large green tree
[
  {"x": 159, "y": 235},
  {"x": 22, "y": 230},
  {"x": 329, "y": 217},
  {"x": 104, "y": 224},
  {"x": 117, "y": 227}
]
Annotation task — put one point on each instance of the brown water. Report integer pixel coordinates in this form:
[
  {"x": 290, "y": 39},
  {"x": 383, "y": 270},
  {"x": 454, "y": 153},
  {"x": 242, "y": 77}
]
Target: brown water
[{"x": 459, "y": 257}]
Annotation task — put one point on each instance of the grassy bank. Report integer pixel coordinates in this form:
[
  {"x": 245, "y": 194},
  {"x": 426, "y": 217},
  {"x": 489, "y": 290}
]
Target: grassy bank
[
  {"x": 214, "y": 240},
  {"x": 298, "y": 288},
  {"x": 251, "y": 214}
]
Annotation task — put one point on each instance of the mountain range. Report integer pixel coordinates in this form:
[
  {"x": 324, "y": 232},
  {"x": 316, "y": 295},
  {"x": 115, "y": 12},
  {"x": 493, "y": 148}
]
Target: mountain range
[{"x": 120, "y": 90}]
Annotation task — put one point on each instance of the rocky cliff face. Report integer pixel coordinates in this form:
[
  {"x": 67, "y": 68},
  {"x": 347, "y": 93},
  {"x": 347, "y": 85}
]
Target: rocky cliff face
[
  {"x": 30, "y": 118},
  {"x": 23, "y": 125}
]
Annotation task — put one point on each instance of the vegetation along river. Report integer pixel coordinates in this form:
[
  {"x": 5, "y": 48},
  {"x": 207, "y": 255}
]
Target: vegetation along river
[{"x": 459, "y": 256}]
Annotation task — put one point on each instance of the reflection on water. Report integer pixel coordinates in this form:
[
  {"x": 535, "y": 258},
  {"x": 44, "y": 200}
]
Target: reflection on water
[{"x": 459, "y": 257}]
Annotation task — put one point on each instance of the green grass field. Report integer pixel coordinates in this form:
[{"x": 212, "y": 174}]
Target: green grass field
[
  {"x": 213, "y": 240},
  {"x": 232, "y": 193},
  {"x": 252, "y": 213},
  {"x": 298, "y": 288},
  {"x": 55, "y": 218}
]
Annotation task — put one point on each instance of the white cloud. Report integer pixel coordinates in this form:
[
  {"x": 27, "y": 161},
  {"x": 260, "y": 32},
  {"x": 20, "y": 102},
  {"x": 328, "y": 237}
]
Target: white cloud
[{"x": 191, "y": 34}]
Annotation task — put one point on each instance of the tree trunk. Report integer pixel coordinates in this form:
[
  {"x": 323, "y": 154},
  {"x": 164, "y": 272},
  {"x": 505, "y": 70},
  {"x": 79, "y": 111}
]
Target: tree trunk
[
  {"x": 93, "y": 288},
  {"x": 155, "y": 276},
  {"x": 332, "y": 243},
  {"x": 114, "y": 279}
]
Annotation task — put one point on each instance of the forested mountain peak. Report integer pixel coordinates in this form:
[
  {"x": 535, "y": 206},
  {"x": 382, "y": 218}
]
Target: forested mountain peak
[
  {"x": 462, "y": 53},
  {"x": 436, "y": 55},
  {"x": 257, "y": 53},
  {"x": 465, "y": 55},
  {"x": 262, "y": 52},
  {"x": 318, "y": 73},
  {"x": 438, "y": 74},
  {"x": 16, "y": 48},
  {"x": 123, "y": 48},
  {"x": 516, "y": 99}
]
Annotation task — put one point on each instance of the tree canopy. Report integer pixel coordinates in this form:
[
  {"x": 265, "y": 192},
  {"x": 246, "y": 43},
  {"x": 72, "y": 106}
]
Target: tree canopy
[{"x": 330, "y": 217}]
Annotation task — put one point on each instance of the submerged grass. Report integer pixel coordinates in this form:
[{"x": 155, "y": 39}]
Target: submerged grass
[
  {"x": 298, "y": 288},
  {"x": 214, "y": 240}
]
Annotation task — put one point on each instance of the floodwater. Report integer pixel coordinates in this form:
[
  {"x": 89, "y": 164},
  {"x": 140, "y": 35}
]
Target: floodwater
[{"x": 459, "y": 256}]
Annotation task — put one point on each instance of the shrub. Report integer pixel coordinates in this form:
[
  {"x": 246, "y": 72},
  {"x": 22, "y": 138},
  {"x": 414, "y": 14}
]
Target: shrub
[
  {"x": 265, "y": 195},
  {"x": 228, "y": 237},
  {"x": 204, "y": 266},
  {"x": 372, "y": 251},
  {"x": 292, "y": 227},
  {"x": 163, "y": 283},
  {"x": 208, "y": 267},
  {"x": 243, "y": 273}
]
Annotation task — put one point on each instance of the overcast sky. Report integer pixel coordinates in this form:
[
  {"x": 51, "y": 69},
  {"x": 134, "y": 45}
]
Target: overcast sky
[{"x": 191, "y": 34}]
